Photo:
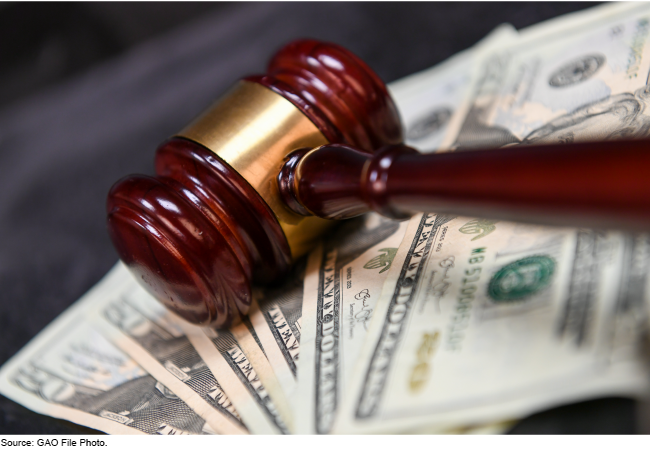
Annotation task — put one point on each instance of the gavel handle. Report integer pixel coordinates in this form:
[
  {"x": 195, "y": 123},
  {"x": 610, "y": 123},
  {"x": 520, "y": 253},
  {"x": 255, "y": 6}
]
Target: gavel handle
[{"x": 600, "y": 184}]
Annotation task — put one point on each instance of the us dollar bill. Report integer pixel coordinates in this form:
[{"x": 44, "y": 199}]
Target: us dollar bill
[
  {"x": 582, "y": 78},
  {"x": 434, "y": 100},
  {"x": 71, "y": 371},
  {"x": 343, "y": 282},
  {"x": 228, "y": 360},
  {"x": 223, "y": 385},
  {"x": 274, "y": 327},
  {"x": 484, "y": 320},
  {"x": 251, "y": 345},
  {"x": 164, "y": 351}
]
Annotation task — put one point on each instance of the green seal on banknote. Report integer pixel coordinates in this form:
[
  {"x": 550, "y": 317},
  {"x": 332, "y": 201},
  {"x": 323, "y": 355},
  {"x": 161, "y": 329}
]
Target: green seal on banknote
[{"x": 522, "y": 278}]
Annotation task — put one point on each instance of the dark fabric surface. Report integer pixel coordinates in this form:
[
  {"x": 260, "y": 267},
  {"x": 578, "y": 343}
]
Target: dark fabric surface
[{"x": 63, "y": 147}]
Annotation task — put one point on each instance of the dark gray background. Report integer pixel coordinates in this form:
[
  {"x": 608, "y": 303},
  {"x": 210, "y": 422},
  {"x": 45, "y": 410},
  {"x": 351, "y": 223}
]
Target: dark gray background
[{"x": 87, "y": 92}]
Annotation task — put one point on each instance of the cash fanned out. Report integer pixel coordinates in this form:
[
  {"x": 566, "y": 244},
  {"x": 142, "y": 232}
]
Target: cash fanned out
[{"x": 439, "y": 324}]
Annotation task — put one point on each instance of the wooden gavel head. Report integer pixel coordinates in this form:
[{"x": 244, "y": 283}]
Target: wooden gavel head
[{"x": 212, "y": 221}]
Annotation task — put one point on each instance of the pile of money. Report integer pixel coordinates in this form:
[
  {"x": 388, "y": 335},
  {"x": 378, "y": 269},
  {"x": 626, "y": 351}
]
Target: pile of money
[{"x": 438, "y": 324}]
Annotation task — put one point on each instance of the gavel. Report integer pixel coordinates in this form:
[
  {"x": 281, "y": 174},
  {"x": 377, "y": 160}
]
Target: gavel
[{"x": 250, "y": 185}]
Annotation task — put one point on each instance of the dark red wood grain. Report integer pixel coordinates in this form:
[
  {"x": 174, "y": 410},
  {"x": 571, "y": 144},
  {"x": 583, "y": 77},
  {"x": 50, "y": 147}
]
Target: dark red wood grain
[
  {"x": 198, "y": 235},
  {"x": 337, "y": 91},
  {"x": 602, "y": 184},
  {"x": 327, "y": 184}
]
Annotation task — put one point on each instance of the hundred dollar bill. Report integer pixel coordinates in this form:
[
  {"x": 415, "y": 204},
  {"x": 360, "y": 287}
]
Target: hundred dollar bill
[
  {"x": 577, "y": 79},
  {"x": 70, "y": 371},
  {"x": 482, "y": 320},
  {"x": 223, "y": 388},
  {"x": 343, "y": 282}
]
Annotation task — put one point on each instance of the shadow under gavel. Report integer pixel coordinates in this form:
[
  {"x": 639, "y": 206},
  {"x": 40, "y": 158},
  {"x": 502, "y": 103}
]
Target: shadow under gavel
[{"x": 240, "y": 193}]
